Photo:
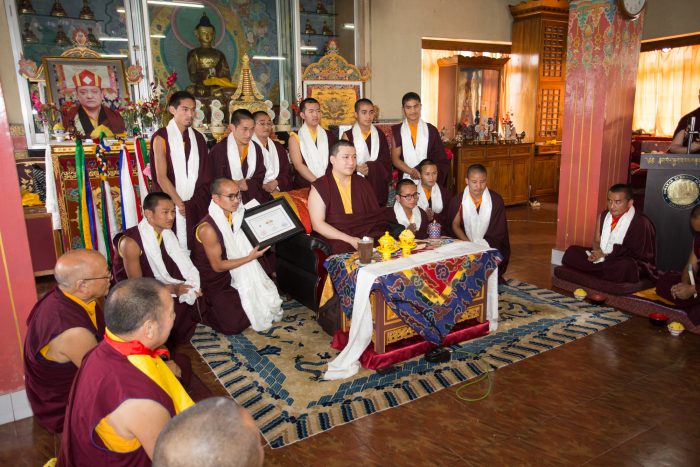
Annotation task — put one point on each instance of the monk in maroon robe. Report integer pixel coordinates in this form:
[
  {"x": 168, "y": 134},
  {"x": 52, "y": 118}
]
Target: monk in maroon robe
[
  {"x": 496, "y": 233},
  {"x": 679, "y": 145},
  {"x": 91, "y": 113},
  {"x": 433, "y": 198},
  {"x": 242, "y": 125},
  {"x": 629, "y": 260},
  {"x": 131, "y": 261},
  {"x": 676, "y": 286},
  {"x": 376, "y": 168},
  {"x": 223, "y": 308},
  {"x": 435, "y": 150},
  {"x": 278, "y": 172},
  {"x": 300, "y": 155},
  {"x": 403, "y": 214},
  {"x": 116, "y": 409},
  {"x": 342, "y": 205},
  {"x": 181, "y": 105},
  {"x": 61, "y": 328}
]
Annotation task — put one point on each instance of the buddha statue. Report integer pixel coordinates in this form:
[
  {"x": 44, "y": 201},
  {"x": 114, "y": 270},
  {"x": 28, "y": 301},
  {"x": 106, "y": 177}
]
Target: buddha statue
[{"x": 207, "y": 66}]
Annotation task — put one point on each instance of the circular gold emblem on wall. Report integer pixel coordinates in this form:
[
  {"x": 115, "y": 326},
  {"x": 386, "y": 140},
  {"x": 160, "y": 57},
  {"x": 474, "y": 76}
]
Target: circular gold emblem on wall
[{"x": 682, "y": 191}]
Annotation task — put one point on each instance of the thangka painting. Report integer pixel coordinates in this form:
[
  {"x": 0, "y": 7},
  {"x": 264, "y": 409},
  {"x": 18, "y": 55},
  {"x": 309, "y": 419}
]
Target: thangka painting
[
  {"x": 337, "y": 99},
  {"x": 68, "y": 194}
]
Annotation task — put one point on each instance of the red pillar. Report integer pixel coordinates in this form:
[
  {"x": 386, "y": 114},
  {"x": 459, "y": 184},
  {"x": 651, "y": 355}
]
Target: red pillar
[
  {"x": 601, "y": 72},
  {"x": 17, "y": 287}
]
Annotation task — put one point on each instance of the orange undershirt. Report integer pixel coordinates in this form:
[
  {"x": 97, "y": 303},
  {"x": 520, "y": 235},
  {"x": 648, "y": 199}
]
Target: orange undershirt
[
  {"x": 244, "y": 152},
  {"x": 345, "y": 195},
  {"x": 366, "y": 135},
  {"x": 428, "y": 192},
  {"x": 414, "y": 132},
  {"x": 477, "y": 203},
  {"x": 614, "y": 222}
]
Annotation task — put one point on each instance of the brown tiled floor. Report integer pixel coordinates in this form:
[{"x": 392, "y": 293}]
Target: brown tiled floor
[{"x": 625, "y": 396}]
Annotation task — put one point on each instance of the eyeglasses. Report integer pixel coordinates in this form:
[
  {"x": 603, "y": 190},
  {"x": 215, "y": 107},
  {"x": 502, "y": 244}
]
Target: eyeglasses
[
  {"x": 411, "y": 196},
  {"x": 231, "y": 196},
  {"x": 98, "y": 278}
]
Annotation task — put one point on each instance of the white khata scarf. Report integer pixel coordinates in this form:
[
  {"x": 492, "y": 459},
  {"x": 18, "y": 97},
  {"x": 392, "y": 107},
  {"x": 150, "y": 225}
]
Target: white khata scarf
[
  {"x": 315, "y": 154},
  {"x": 185, "y": 174},
  {"x": 402, "y": 219},
  {"x": 412, "y": 155},
  {"x": 234, "y": 159},
  {"x": 363, "y": 153},
  {"x": 435, "y": 198},
  {"x": 259, "y": 297},
  {"x": 178, "y": 255},
  {"x": 476, "y": 223},
  {"x": 610, "y": 238},
  {"x": 271, "y": 157}
]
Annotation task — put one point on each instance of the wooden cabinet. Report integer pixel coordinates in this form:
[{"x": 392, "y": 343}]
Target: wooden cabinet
[
  {"x": 545, "y": 170},
  {"x": 509, "y": 168}
]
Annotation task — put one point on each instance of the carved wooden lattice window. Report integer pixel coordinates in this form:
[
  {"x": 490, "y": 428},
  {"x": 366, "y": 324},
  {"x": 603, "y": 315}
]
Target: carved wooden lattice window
[
  {"x": 553, "y": 51},
  {"x": 550, "y": 100}
]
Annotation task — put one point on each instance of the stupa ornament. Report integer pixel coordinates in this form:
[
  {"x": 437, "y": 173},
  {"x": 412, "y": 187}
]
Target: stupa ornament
[{"x": 247, "y": 95}]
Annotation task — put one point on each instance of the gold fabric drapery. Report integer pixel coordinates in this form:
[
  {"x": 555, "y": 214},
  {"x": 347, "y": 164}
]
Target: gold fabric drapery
[
  {"x": 667, "y": 88},
  {"x": 429, "y": 81}
]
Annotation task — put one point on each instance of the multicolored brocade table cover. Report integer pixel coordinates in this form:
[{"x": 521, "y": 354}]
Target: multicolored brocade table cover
[{"x": 427, "y": 298}]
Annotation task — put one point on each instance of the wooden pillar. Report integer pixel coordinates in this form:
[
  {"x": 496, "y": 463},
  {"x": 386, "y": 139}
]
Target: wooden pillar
[
  {"x": 601, "y": 72},
  {"x": 17, "y": 288}
]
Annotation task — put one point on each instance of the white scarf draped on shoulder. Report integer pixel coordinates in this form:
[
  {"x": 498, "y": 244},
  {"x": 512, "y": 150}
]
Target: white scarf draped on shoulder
[
  {"x": 476, "y": 223},
  {"x": 176, "y": 253},
  {"x": 186, "y": 172},
  {"x": 315, "y": 154},
  {"x": 413, "y": 155},
  {"x": 435, "y": 199},
  {"x": 271, "y": 158},
  {"x": 364, "y": 154},
  {"x": 609, "y": 237},
  {"x": 259, "y": 296},
  {"x": 403, "y": 219},
  {"x": 234, "y": 159}
]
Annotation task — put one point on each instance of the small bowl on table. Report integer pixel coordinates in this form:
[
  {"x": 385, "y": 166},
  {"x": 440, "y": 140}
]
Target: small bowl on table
[
  {"x": 597, "y": 299},
  {"x": 580, "y": 294},
  {"x": 658, "y": 319}
]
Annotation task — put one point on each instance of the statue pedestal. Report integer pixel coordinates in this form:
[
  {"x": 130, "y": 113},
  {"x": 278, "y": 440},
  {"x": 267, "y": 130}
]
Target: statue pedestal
[{"x": 672, "y": 189}]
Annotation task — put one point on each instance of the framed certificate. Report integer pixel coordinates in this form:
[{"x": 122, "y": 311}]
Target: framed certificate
[{"x": 271, "y": 222}]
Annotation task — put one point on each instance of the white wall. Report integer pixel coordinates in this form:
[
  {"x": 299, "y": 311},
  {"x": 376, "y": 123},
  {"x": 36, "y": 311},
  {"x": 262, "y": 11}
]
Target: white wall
[{"x": 396, "y": 29}]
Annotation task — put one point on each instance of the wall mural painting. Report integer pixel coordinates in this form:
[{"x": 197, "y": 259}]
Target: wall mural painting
[{"x": 239, "y": 26}]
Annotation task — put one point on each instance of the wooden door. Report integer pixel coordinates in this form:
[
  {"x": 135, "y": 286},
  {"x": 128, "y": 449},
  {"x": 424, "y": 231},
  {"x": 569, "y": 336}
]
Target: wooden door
[{"x": 520, "y": 185}]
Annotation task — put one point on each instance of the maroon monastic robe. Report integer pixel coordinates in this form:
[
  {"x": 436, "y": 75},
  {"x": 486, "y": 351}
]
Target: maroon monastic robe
[
  {"x": 436, "y": 151},
  {"x": 669, "y": 279},
  {"x": 497, "y": 232},
  {"x": 442, "y": 217},
  {"x": 367, "y": 218},
  {"x": 683, "y": 124},
  {"x": 198, "y": 205},
  {"x": 186, "y": 316},
  {"x": 107, "y": 117},
  {"x": 395, "y": 228},
  {"x": 48, "y": 383},
  {"x": 221, "y": 168},
  {"x": 301, "y": 182},
  {"x": 285, "y": 177},
  {"x": 223, "y": 310},
  {"x": 631, "y": 261},
  {"x": 379, "y": 175},
  {"x": 105, "y": 380}
]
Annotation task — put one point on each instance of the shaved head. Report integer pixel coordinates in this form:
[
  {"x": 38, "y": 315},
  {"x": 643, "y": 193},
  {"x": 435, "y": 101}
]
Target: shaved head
[
  {"x": 76, "y": 265},
  {"x": 214, "y": 432}
]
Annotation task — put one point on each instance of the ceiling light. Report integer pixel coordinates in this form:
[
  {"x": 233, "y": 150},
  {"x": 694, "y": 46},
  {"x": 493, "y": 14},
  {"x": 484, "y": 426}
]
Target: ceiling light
[
  {"x": 157, "y": 36},
  {"x": 121, "y": 10},
  {"x": 267, "y": 57},
  {"x": 309, "y": 47},
  {"x": 175, "y": 4},
  {"x": 113, "y": 55},
  {"x": 113, "y": 39},
  {"x": 349, "y": 26}
]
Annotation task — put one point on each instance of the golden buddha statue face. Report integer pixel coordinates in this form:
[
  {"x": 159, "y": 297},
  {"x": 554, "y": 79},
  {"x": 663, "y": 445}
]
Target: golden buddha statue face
[{"x": 205, "y": 35}]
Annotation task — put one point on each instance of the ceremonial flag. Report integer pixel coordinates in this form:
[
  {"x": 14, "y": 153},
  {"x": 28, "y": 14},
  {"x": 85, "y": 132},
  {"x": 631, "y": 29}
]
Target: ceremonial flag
[
  {"x": 131, "y": 212},
  {"x": 108, "y": 220},
  {"x": 86, "y": 209},
  {"x": 141, "y": 161}
]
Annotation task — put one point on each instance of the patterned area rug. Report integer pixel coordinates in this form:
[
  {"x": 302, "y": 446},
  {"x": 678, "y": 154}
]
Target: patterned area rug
[{"x": 277, "y": 375}]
